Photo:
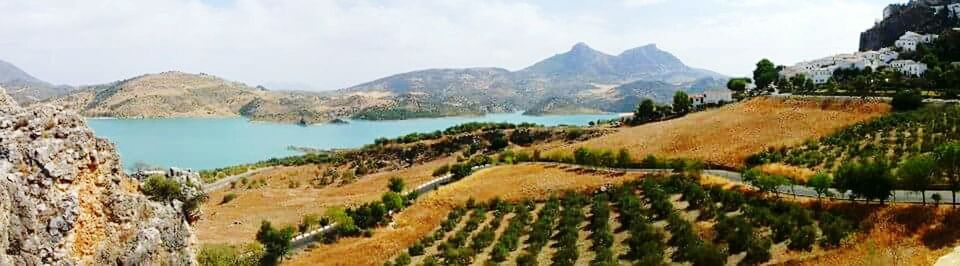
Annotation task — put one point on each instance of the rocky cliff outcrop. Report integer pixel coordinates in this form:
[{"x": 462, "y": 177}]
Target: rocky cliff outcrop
[
  {"x": 65, "y": 201},
  {"x": 916, "y": 16}
]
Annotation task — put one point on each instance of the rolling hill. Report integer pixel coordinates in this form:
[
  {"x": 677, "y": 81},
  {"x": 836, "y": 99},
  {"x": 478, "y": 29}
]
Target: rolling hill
[
  {"x": 581, "y": 80},
  {"x": 24, "y": 88},
  {"x": 177, "y": 94}
]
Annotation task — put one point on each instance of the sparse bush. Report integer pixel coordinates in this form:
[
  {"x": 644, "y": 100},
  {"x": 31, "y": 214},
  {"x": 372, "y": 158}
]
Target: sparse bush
[
  {"x": 396, "y": 184},
  {"x": 161, "y": 188},
  {"x": 803, "y": 238},
  {"x": 228, "y": 198}
]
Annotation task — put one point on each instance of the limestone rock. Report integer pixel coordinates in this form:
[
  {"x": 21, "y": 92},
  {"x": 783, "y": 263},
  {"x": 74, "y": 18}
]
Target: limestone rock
[{"x": 64, "y": 199}]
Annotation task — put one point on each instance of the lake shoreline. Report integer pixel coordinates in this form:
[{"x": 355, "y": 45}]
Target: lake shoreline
[{"x": 208, "y": 143}]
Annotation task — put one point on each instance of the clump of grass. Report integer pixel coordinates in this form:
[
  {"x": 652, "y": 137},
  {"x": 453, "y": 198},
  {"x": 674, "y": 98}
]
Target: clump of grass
[{"x": 228, "y": 198}]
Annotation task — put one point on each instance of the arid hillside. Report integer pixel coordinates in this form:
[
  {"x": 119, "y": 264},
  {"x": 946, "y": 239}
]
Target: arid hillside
[
  {"x": 289, "y": 193},
  {"x": 177, "y": 94},
  {"x": 726, "y": 136}
]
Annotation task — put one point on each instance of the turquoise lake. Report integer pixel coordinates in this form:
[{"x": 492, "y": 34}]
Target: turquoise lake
[{"x": 201, "y": 143}]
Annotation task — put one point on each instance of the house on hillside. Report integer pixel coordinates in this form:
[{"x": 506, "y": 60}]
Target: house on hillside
[
  {"x": 909, "y": 41},
  {"x": 821, "y": 70},
  {"x": 909, "y": 67},
  {"x": 698, "y": 99}
]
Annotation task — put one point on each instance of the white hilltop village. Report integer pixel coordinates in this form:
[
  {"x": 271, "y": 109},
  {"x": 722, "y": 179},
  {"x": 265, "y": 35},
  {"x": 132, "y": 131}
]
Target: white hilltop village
[{"x": 821, "y": 70}]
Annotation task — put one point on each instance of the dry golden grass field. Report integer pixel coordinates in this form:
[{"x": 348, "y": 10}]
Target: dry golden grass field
[
  {"x": 238, "y": 221},
  {"x": 508, "y": 182},
  {"x": 726, "y": 136},
  {"x": 893, "y": 235}
]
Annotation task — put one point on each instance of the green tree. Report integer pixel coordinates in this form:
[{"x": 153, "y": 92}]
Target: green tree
[
  {"x": 916, "y": 173},
  {"x": 276, "y": 242},
  {"x": 764, "y": 182},
  {"x": 869, "y": 179},
  {"x": 682, "y": 102},
  {"x": 646, "y": 110},
  {"x": 948, "y": 164},
  {"x": 739, "y": 87},
  {"x": 765, "y": 73},
  {"x": 461, "y": 170},
  {"x": 907, "y": 100},
  {"x": 396, "y": 184},
  {"x": 821, "y": 183},
  {"x": 392, "y": 200}
]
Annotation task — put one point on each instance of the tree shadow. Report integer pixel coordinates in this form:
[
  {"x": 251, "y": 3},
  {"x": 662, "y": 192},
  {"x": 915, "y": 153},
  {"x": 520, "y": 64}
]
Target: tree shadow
[{"x": 946, "y": 233}]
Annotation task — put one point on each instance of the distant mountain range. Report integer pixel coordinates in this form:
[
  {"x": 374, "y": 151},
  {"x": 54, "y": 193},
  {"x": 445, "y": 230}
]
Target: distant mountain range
[
  {"x": 25, "y": 88},
  {"x": 581, "y": 80}
]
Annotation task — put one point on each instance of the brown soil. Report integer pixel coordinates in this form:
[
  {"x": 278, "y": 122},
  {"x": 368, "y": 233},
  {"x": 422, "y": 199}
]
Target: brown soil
[
  {"x": 507, "y": 182},
  {"x": 726, "y": 136}
]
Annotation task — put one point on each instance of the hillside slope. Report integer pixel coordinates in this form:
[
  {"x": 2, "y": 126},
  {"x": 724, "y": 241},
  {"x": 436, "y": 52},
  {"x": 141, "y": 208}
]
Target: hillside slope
[
  {"x": 24, "y": 88},
  {"x": 176, "y": 94},
  {"x": 571, "y": 78},
  {"x": 726, "y": 136}
]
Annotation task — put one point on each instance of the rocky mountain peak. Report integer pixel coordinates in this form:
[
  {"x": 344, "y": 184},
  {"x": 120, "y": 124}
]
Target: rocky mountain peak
[
  {"x": 64, "y": 199},
  {"x": 582, "y": 47}
]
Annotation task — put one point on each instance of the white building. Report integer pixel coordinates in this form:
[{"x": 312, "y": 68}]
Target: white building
[
  {"x": 821, "y": 70},
  {"x": 910, "y": 40},
  {"x": 909, "y": 67}
]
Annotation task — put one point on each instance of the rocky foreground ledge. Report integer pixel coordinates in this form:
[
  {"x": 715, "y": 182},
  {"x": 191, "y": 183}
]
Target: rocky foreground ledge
[{"x": 64, "y": 199}]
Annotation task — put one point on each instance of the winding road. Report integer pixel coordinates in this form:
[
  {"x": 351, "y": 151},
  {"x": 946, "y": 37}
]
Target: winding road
[
  {"x": 898, "y": 196},
  {"x": 224, "y": 182}
]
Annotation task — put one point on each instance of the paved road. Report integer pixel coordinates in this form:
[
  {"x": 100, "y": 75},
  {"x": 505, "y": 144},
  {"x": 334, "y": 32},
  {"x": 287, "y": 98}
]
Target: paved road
[
  {"x": 899, "y": 196},
  {"x": 303, "y": 240},
  {"x": 224, "y": 182}
]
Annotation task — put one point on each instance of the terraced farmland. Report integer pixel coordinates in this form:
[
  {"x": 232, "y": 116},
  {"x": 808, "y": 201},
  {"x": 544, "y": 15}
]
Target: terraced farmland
[
  {"x": 651, "y": 222},
  {"x": 894, "y": 138}
]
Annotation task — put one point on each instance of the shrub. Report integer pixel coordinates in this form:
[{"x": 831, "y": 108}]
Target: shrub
[
  {"x": 803, "y": 238},
  {"x": 834, "y": 229},
  {"x": 392, "y": 201},
  {"x": 402, "y": 260},
  {"x": 758, "y": 251},
  {"x": 461, "y": 170},
  {"x": 396, "y": 184},
  {"x": 706, "y": 254},
  {"x": 308, "y": 222},
  {"x": 907, "y": 100},
  {"x": 228, "y": 255},
  {"x": 160, "y": 188},
  {"x": 442, "y": 170},
  {"x": 228, "y": 198}
]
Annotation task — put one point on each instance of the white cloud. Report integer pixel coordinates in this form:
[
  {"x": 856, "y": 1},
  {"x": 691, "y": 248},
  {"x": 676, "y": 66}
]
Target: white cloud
[{"x": 332, "y": 44}]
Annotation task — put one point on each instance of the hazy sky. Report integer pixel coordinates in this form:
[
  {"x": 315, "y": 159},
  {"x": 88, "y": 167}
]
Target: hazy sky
[{"x": 327, "y": 44}]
